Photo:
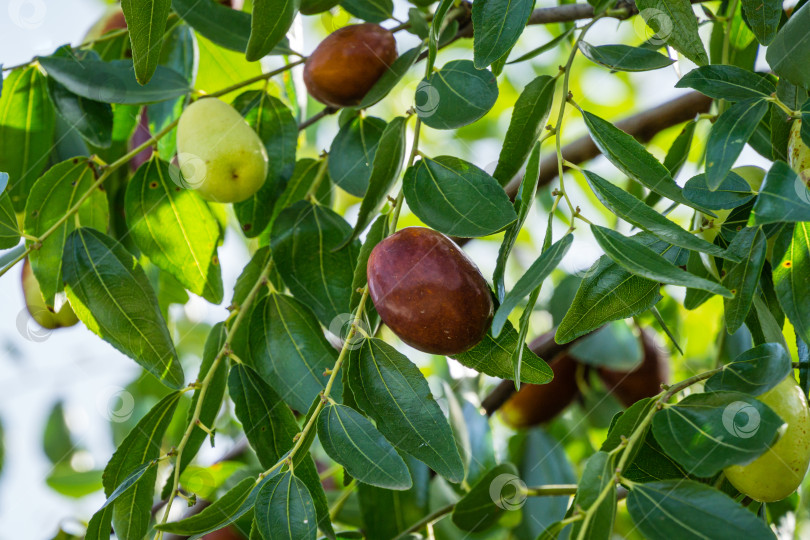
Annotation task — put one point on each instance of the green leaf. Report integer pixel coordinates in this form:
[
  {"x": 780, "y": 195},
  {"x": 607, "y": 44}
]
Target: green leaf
[
  {"x": 303, "y": 241},
  {"x": 26, "y": 130},
  {"x": 625, "y": 57},
  {"x": 351, "y": 440},
  {"x": 289, "y": 350},
  {"x": 732, "y": 192},
  {"x": 533, "y": 278},
  {"x": 674, "y": 22},
  {"x": 352, "y": 153},
  {"x": 132, "y": 509},
  {"x": 394, "y": 393},
  {"x": 689, "y": 509},
  {"x": 269, "y": 24},
  {"x": 708, "y": 432},
  {"x": 385, "y": 171},
  {"x": 374, "y": 11},
  {"x": 175, "y": 228},
  {"x": 274, "y": 123},
  {"x": 630, "y": 157},
  {"x": 376, "y": 234},
  {"x": 497, "y": 26},
  {"x": 489, "y": 499},
  {"x": 9, "y": 231},
  {"x": 678, "y": 152},
  {"x": 544, "y": 47},
  {"x": 436, "y": 27},
  {"x": 783, "y": 197},
  {"x": 523, "y": 203},
  {"x": 457, "y": 198},
  {"x": 753, "y": 372},
  {"x": 225, "y": 26},
  {"x": 599, "y": 473},
  {"x": 391, "y": 77},
  {"x": 728, "y": 136},
  {"x": 763, "y": 18},
  {"x": 636, "y": 212},
  {"x": 493, "y": 356},
  {"x": 527, "y": 123},
  {"x": 146, "y": 20},
  {"x": 642, "y": 261},
  {"x": 113, "y": 82},
  {"x": 652, "y": 464},
  {"x": 92, "y": 119},
  {"x": 742, "y": 278},
  {"x": 111, "y": 295},
  {"x": 456, "y": 95},
  {"x": 790, "y": 280},
  {"x": 731, "y": 83},
  {"x": 284, "y": 510},
  {"x": 60, "y": 188},
  {"x": 305, "y": 173},
  {"x": 789, "y": 52}
]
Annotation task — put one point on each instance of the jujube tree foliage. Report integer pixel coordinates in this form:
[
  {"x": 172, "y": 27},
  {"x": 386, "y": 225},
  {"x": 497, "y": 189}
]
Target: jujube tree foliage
[{"x": 667, "y": 397}]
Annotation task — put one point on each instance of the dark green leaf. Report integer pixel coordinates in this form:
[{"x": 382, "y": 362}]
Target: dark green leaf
[
  {"x": 436, "y": 27},
  {"x": 685, "y": 509},
  {"x": 394, "y": 393},
  {"x": 375, "y": 235},
  {"x": 742, "y": 278},
  {"x": 456, "y": 95},
  {"x": 731, "y": 83},
  {"x": 269, "y": 24},
  {"x": 728, "y": 136},
  {"x": 783, "y": 197},
  {"x": 374, "y": 11},
  {"x": 307, "y": 171},
  {"x": 599, "y": 473},
  {"x": 111, "y": 295},
  {"x": 753, "y": 372},
  {"x": 732, "y": 192},
  {"x": 679, "y": 150},
  {"x": 285, "y": 510},
  {"x": 789, "y": 52},
  {"x": 674, "y": 22},
  {"x": 489, "y": 499},
  {"x": 708, "y": 432},
  {"x": 92, "y": 119},
  {"x": 528, "y": 121},
  {"x": 227, "y": 27},
  {"x": 498, "y": 25},
  {"x": 763, "y": 18},
  {"x": 146, "y": 20},
  {"x": 790, "y": 278},
  {"x": 391, "y": 77},
  {"x": 352, "y": 153},
  {"x": 352, "y": 440},
  {"x": 625, "y": 57},
  {"x": 457, "y": 198}
]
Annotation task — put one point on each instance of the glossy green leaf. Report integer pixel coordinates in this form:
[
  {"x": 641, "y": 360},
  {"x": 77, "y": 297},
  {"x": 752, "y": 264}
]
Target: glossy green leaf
[
  {"x": 132, "y": 509},
  {"x": 60, "y": 188},
  {"x": 374, "y": 11},
  {"x": 531, "y": 279},
  {"x": 227, "y": 27},
  {"x": 549, "y": 45},
  {"x": 790, "y": 278},
  {"x": 102, "y": 519},
  {"x": 497, "y": 26},
  {"x": 285, "y": 510},
  {"x": 289, "y": 350},
  {"x": 303, "y": 241},
  {"x": 635, "y": 212},
  {"x": 642, "y": 261},
  {"x": 708, "y": 432},
  {"x": 391, "y": 77},
  {"x": 456, "y": 95},
  {"x": 175, "y": 228},
  {"x": 525, "y": 127},
  {"x": 675, "y": 23},
  {"x": 352, "y": 153},
  {"x": 732, "y": 192},
  {"x": 742, "y": 278},
  {"x": 753, "y": 372},
  {"x": 274, "y": 123},
  {"x": 111, "y": 295},
  {"x": 457, "y": 198},
  {"x": 731, "y": 83},
  {"x": 113, "y": 82},
  {"x": 9, "y": 230},
  {"x": 763, "y": 18},
  {"x": 728, "y": 136},
  {"x": 436, "y": 27},
  {"x": 488, "y": 499},
  {"x": 624, "y": 57},
  {"x": 493, "y": 356},
  {"x": 630, "y": 157},
  {"x": 678, "y": 152},
  {"x": 394, "y": 393},
  {"x": 352, "y": 440},
  {"x": 305, "y": 173},
  {"x": 146, "y": 21},
  {"x": 92, "y": 119},
  {"x": 789, "y": 52},
  {"x": 599, "y": 473},
  {"x": 26, "y": 130},
  {"x": 385, "y": 171},
  {"x": 689, "y": 509},
  {"x": 269, "y": 24},
  {"x": 783, "y": 197}
]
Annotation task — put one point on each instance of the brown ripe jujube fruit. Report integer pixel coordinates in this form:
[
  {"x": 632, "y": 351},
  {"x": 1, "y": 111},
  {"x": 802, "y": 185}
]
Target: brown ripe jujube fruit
[
  {"x": 645, "y": 380},
  {"x": 428, "y": 292},
  {"x": 345, "y": 65},
  {"x": 537, "y": 404}
]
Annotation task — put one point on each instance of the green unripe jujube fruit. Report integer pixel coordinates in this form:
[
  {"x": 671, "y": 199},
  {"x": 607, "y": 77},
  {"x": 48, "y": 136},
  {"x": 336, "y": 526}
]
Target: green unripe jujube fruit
[{"x": 219, "y": 154}]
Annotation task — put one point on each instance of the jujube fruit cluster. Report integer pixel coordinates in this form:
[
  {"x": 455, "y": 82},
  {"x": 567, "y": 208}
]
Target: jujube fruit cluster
[
  {"x": 428, "y": 292},
  {"x": 344, "y": 66}
]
